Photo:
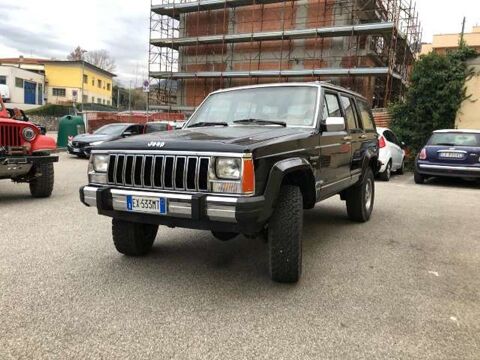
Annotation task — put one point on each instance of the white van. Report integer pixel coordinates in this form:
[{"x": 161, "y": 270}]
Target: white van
[{"x": 5, "y": 92}]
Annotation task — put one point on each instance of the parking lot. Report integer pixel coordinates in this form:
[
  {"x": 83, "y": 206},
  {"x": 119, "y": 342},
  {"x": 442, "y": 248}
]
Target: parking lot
[{"x": 404, "y": 285}]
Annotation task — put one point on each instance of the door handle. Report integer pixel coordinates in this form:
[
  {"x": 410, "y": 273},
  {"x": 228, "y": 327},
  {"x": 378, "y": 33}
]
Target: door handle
[{"x": 347, "y": 138}]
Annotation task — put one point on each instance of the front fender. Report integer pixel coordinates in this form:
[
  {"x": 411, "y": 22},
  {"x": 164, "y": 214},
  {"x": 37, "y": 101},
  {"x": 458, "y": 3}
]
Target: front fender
[
  {"x": 275, "y": 179},
  {"x": 43, "y": 143}
]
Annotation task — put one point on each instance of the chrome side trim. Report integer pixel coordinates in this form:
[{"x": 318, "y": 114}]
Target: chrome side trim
[{"x": 453, "y": 168}]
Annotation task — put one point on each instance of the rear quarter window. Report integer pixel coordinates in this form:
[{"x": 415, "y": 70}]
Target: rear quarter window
[{"x": 366, "y": 115}]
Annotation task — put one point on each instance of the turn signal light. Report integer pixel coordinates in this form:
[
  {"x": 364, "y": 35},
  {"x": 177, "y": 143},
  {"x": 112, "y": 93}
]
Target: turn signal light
[
  {"x": 381, "y": 142},
  {"x": 423, "y": 154},
  {"x": 248, "y": 178}
]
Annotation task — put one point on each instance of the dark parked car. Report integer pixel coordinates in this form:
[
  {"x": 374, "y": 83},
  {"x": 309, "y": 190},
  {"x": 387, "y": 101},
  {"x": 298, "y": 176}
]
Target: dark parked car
[
  {"x": 164, "y": 125},
  {"x": 449, "y": 153},
  {"x": 81, "y": 145},
  {"x": 249, "y": 161}
]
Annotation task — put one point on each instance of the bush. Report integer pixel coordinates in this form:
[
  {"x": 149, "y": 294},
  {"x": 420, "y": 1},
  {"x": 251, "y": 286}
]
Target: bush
[
  {"x": 434, "y": 97},
  {"x": 51, "y": 110}
]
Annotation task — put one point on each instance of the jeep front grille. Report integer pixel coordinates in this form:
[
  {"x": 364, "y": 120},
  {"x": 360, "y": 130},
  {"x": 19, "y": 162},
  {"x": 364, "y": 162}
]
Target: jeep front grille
[
  {"x": 167, "y": 172},
  {"x": 10, "y": 135}
]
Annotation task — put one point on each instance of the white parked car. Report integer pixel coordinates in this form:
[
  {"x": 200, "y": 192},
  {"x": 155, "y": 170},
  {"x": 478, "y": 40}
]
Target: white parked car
[{"x": 392, "y": 155}]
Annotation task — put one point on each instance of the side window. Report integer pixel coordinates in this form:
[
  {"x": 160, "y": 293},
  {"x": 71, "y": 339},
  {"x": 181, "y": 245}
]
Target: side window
[
  {"x": 388, "y": 135},
  {"x": 350, "y": 115},
  {"x": 367, "y": 117},
  {"x": 333, "y": 106}
]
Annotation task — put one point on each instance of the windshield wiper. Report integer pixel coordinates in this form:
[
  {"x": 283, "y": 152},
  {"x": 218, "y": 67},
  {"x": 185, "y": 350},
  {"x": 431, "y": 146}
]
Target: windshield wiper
[
  {"x": 208, "y": 123},
  {"x": 261, "y": 122}
]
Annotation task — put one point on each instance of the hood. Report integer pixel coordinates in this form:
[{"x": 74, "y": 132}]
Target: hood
[
  {"x": 223, "y": 139},
  {"x": 88, "y": 138}
]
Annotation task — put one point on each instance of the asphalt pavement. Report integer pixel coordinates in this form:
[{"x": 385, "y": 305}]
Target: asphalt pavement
[{"x": 403, "y": 286}]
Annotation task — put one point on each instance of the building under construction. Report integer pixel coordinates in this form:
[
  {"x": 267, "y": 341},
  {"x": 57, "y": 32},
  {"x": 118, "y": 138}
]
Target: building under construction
[{"x": 201, "y": 46}]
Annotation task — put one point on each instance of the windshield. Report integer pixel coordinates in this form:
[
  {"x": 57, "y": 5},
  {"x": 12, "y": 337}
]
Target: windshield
[
  {"x": 111, "y": 130},
  {"x": 455, "y": 139},
  {"x": 294, "y": 106}
]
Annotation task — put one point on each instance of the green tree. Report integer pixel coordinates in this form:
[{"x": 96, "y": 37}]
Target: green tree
[{"x": 434, "y": 97}]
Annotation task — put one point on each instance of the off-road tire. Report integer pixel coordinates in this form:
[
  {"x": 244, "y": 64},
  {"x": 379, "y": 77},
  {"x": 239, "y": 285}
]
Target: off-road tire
[
  {"x": 133, "y": 239},
  {"x": 42, "y": 185},
  {"x": 285, "y": 236},
  {"x": 387, "y": 174},
  {"x": 224, "y": 236},
  {"x": 359, "y": 209},
  {"x": 401, "y": 169},
  {"x": 418, "y": 178}
]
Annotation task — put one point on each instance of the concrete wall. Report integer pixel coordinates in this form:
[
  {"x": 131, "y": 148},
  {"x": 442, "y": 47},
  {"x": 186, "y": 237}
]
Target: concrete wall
[
  {"x": 17, "y": 93},
  {"x": 468, "y": 116}
]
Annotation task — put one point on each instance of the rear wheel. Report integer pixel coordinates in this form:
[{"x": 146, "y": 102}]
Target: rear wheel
[
  {"x": 419, "y": 178},
  {"x": 386, "y": 175},
  {"x": 361, "y": 197},
  {"x": 285, "y": 236},
  {"x": 42, "y": 185},
  {"x": 401, "y": 169},
  {"x": 133, "y": 239}
]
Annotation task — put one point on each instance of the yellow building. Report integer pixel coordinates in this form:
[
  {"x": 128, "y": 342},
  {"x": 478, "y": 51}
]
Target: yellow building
[
  {"x": 77, "y": 82},
  {"x": 468, "y": 116},
  {"x": 444, "y": 43}
]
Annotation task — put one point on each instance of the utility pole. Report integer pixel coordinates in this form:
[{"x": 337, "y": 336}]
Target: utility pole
[
  {"x": 462, "y": 35},
  {"x": 130, "y": 97}
]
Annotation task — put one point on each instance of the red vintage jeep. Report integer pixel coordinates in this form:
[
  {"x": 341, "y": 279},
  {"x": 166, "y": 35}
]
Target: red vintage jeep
[{"x": 25, "y": 154}]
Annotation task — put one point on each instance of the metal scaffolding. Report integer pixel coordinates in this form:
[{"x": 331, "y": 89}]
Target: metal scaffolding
[{"x": 200, "y": 46}]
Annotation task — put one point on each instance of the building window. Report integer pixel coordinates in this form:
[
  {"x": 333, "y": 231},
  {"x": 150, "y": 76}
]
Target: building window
[
  {"x": 19, "y": 83},
  {"x": 99, "y": 101},
  {"x": 59, "y": 92},
  {"x": 93, "y": 81},
  {"x": 108, "y": 102},
  {"x": 3, "y": 80},
  {"x": 99, "y": 83},
  {"x": 108, "y": 86},
  {"x": 85, "y": 79},
  {"x": 93, "y": 99},
  {"x": 84, "y": 99}
]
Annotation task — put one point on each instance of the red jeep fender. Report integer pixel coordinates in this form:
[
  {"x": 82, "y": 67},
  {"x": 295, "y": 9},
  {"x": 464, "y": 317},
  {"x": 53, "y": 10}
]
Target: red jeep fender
[{"x": 43, "y": 143}]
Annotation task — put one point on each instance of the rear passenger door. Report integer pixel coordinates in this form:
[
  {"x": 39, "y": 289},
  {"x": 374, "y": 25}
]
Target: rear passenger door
[
  {"x": 369, "y": 137},
  {"x": 355, "y": 132}
]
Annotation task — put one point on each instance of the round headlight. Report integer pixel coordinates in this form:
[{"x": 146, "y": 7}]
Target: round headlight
[
  {"x": 28, "y": 133},
  {"x": 229, "y": 168},
  {"x": 100, "y": 163}
]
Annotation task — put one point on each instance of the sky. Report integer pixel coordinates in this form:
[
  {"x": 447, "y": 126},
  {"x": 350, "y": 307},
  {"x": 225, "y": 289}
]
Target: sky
[{"x": 52, "y": 28}]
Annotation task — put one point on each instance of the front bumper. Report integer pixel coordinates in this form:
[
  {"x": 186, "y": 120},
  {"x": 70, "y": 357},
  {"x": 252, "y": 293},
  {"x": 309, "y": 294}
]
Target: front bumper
[
  {"x": 85, "y": 151},
  {"x": 195, "y": 211},
  {"x": 17, "y": 166},
  {"x": 431, "y": 169}
]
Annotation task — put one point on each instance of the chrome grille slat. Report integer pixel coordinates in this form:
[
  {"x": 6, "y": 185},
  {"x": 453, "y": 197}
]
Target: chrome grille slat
[{"x": 159, "y": 171}]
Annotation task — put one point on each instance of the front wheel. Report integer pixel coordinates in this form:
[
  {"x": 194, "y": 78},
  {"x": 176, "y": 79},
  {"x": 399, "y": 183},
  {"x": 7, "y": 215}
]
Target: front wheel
[
  {"x": 361, "y": 197},
  {"x": 42, "y": 185},
  {"x": 387, "y": 174},
  {"x": 285, "y": 236},
  {"x": 133, "y": 239},
  {"x": 401, "y": 170},
  {"x": 224, "y": 236}
]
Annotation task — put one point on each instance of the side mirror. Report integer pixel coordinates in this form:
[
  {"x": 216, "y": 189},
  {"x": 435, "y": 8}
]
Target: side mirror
[{"x": 335, "y": 124}]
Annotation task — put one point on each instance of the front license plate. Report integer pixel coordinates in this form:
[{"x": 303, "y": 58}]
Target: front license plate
[
  {"x": 76, "y": 150},
  {"x": 447, "y": 155},
  {"x": 147, "y": 205}
]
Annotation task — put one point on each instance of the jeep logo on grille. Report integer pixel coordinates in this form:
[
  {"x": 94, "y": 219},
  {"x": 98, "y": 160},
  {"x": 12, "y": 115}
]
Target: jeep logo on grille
[{"x": 156, "y": 144}]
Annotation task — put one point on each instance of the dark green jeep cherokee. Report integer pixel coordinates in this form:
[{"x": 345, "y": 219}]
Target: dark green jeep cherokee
[{"x": 249, "y": 161}]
